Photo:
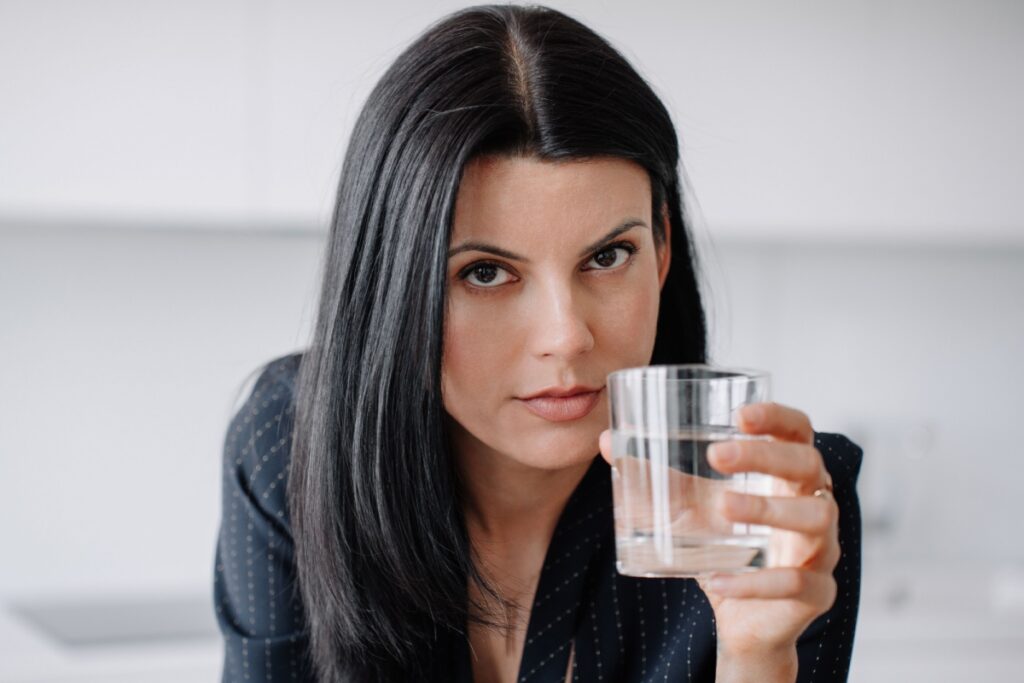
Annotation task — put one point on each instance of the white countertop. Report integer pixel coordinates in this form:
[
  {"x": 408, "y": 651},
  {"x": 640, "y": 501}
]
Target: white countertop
[
  {"x": 920, "y": 621},
  {"x": 28, "y": 655}
]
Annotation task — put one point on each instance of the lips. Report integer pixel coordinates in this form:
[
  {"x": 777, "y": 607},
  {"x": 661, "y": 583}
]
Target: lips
[{"x": 563, "y": 408}]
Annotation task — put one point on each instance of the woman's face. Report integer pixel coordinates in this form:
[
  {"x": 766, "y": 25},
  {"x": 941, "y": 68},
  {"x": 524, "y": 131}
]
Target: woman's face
[{"x": 553, "y": 282}]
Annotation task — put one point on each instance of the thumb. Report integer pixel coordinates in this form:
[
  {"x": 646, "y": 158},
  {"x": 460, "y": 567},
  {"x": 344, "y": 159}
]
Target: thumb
[{"x": 604, "y": 442}]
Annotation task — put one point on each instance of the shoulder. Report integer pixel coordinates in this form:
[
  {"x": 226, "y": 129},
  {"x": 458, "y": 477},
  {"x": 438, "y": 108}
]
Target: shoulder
[
  {"x": 258, "y": 441},
  {"x": 269, "y": 382},
  {"x": 258, "y": 605}
]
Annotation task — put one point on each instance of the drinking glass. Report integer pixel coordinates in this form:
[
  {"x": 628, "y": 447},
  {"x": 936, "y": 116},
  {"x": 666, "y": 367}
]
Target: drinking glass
[{"x": 666, "y": 496}]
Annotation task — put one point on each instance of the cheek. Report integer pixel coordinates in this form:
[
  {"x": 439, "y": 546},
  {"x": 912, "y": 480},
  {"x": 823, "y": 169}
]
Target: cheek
[
  {"x": 630, "y": 323},
  {"x": 474, "y": 351}
]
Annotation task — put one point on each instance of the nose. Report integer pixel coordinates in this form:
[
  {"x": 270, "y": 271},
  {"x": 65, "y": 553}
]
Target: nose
[{"x": 560, "y": 326}]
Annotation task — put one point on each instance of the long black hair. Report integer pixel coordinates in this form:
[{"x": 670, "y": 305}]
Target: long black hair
[{"x": 382, "y": 552}]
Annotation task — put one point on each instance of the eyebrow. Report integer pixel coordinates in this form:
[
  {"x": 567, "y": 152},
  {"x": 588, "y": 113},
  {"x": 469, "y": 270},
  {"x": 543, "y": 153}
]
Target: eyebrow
[{"x": 622, "y": 227}]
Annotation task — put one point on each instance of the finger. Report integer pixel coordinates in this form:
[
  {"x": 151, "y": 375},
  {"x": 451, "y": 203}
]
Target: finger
[
  {"x": 811, "y": 515},
  {"x": 799, "y": 463},
  {"x": 813, "y": 587},
  {"x": 776, "y": 419},
  {"x": 604, "y": 442}
]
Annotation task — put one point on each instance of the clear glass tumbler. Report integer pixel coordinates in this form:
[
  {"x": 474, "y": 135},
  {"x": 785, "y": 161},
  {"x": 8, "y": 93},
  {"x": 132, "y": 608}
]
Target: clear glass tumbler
[{"x": 666, "y": 495}]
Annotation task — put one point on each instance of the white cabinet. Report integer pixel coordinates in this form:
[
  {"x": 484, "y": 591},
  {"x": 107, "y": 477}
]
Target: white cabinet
[
  {"x": 891, "y": 121},
  {"x": 121, "y": 110}
]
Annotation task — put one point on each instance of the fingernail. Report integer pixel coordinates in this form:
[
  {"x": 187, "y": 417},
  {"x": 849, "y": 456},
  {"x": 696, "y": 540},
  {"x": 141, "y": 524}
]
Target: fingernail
[
  {"x": 753, "y": 414},
  {"x": 725, "y": 452},
  {"x": 720, "y": 584}
]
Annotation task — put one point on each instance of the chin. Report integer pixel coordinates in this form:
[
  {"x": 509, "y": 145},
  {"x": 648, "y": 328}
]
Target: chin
[
  {"x": 557, "y": 463},
  {"x": 558, "y": 448}
]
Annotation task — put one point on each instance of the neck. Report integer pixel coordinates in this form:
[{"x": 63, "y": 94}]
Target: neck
[{"x": 510, "y": 503}]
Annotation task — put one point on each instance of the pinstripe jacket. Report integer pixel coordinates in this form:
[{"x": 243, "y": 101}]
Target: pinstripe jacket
[{"x": 620, "y": 628}]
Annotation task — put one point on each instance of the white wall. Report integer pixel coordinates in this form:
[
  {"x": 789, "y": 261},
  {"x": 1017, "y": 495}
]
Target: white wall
[
  {"x": 914, "y": 353},
  {"x": 123, "y": 352}
]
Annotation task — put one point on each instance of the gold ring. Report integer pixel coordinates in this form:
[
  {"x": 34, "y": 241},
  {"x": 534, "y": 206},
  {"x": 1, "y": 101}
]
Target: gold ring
[{"x": 826, "y": 490}]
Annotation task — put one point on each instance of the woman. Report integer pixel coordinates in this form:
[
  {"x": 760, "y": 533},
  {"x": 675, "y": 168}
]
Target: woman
[{"x": 418, "y": 496}]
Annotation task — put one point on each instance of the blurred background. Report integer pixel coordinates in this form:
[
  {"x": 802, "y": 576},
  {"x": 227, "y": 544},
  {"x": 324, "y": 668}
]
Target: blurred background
[{"x": 166, "y": 178}]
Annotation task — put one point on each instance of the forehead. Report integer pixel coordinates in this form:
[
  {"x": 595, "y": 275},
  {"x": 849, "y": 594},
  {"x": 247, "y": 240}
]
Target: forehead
[{"x": 503, "y": 196}]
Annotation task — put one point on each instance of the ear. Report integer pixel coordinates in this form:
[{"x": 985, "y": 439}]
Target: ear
[{"x": 664, "y": 251}]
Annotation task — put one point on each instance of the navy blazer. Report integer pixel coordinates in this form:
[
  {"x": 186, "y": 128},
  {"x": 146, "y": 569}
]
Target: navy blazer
[{"x": 622, "y": 628}]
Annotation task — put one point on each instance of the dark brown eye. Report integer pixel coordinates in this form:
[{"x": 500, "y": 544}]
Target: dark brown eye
[
  {"x": 606, "y": 258},
  {"x": 484, "y": 275},
  {"x": 613, "y": 256}
]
